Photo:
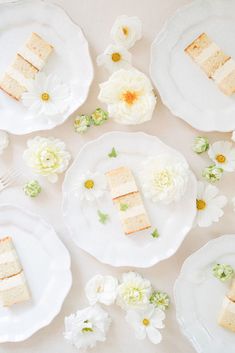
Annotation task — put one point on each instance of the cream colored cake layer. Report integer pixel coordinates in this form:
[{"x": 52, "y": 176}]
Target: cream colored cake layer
[
  {"x": 9, "y": 262},
  {"x": 231, "y": 293},
  {"x": 12, "y": 87},
  {"x": 14, "y": 295},
  {"x": 121, "y": 182},
  {"x": 227, "y": 315}
]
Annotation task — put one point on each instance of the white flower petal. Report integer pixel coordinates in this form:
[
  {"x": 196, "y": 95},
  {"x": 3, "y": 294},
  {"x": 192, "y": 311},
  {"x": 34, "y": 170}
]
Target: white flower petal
[{"x": 154, "y": 335}]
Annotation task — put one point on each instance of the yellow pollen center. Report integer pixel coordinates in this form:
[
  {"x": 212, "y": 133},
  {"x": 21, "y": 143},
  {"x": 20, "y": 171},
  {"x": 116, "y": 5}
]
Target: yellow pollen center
[
  {"x": 116, "y": 57},
  {"x": 201, "y": 204},
  {"x": 125, "y": 31},
  {"x": 89, "y": 184},
  {"x": 221, "y": 158},
  {"x": 146, "y": 322},
  {"x": 45, "y": 96},
  {"x": 130, "y": 97}
]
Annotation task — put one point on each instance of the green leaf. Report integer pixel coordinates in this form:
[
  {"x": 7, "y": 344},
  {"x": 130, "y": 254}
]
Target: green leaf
[
  {"x": 123, "y": 207},
  {"x": 113, "y": 153},
  {"x": 103, "y": 217},
  {"x": 155, "y": 233}
]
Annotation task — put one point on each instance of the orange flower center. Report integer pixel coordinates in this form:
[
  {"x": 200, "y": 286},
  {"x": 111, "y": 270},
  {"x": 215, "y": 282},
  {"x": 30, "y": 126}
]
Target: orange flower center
[
  {"x": 201, "y": 204},
  {"x": 146, "y": 322},
  {"x": 130, "y": 97},
  {"x": 116, "y": 57},
  {"x": 125, "y": 31},
  {"x": 221, "y": 158},
  {"x": 45, "y": 96}
]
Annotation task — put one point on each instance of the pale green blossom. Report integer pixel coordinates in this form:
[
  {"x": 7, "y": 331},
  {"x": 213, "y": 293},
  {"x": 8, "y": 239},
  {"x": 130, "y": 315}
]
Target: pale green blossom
[
  {"x": 82, "y": 123},
  {"x": 212, "y": 173},
  {"x": 32, "y": 188},
  {"x": 201, "y": 144},
  {"x": 223, "y": 272},
  {"x": 99, "y": 117},
  {"x": 160, "y": 300}
]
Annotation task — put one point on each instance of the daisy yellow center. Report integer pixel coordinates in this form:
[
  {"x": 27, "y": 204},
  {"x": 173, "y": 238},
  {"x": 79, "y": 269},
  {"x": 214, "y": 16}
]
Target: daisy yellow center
[
  {"x": 130, "y": 97},
  {"x": 116, "y": 57},
  {"x": 45, "y": 96},
  {"x": 146, "y": 322},
  {"x": 220, "y": 158},
  {"x": 89, "y": 184},
  {"x": 201, "y": 204},
  {"x": 125, "y": 31}
]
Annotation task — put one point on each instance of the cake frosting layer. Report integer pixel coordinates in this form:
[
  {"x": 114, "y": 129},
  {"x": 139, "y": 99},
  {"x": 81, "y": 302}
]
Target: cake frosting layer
[{"x": 13, "y": 281}]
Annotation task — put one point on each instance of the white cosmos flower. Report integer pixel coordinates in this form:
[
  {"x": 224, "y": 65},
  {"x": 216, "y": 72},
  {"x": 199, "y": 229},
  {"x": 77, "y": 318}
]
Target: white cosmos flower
[
  {"x": 115, "y": 57},
  {"x": 209, "y": 204},
  {"x": 90, "y": 186},
  {"x": 4, "y": 140},
  {"x": 147, "y": 323},
  {"x": 164, "y": 178},
  {"x": 46, "y": 95},
  {"x": 126, "y": 31},
  {"x": 86, "y": 327},
  {"x": 129, "y": 96},
  {"x": 102, "y": 289},
  {"x": 134, "y": 291},
  {"x": 223, "y": 154}
]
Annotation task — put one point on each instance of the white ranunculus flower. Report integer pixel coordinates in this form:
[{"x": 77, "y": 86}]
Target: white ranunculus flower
[
  {"x": 90, "y": 186},
  {"x": 209, "y": 205},
  {"x": 126, "y": 31},
  {"x": 147, "y": 323},
  {"x": 164, "y": 178},
  {"x": 129, "y": 96},
  {"x": 88, "y": 326},
  {"x": 47, "y": 156},
  {"x": 223, "y": 154},
  {"x": 134, "y": 291},
  {"x": 102, "y": 289},
  {"x": 4, "y": 140},
  {"x": 115, "y": 57}
]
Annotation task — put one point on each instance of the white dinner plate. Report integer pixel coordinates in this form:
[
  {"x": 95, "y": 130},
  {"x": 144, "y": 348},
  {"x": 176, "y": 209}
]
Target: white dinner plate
[
  {"x": 70, "y": 60},
  {"x": 46, "y": 263},
  {"x": 107, "y": 242},
  {"x": 199, "y": 296},
  {"x": 183, "y": 86}
]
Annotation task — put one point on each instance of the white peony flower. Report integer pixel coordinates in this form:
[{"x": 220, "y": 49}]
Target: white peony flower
[
  {"x": 86, "y": 327},
  {"x": 129, "y": 96},
  {"x": 134, "y": 291},
  {"x": 209, "y": 205},
  {"x": 46, "y": 95},
  {"x": 102, "y": 289},
  {"x": 223, "y": 154},
  {"x": 164, "y": 178},
  {"x": 4, "y": 141},
  {"x": 126, "y": 31},
  {"x": 90, "y": 186},
  {"x": 147, "y": 323},
  {"x": 115, "y": 57},
  {"x": 47, "y": 157}
]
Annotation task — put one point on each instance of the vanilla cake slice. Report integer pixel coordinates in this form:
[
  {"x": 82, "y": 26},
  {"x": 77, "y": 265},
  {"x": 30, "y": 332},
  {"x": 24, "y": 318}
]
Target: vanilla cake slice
[
  {"x": 218, "y": 66},
  {"x": 121, "y": 182},
  {"x": 13, "y": 287},
  {"x": 227, "y": 315}
]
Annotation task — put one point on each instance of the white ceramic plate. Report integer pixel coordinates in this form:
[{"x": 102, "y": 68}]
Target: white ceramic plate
[
  {"x": 183, "y": 86},
  {"x": 108, "y": 242},
  {"x": 199, "y": 296},
  {"x": 46, "y": 263},
  {"x": 70, "y": 60}
]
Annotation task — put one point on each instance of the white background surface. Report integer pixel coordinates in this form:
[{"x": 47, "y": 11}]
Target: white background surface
[{"x": 96, "y": 18}]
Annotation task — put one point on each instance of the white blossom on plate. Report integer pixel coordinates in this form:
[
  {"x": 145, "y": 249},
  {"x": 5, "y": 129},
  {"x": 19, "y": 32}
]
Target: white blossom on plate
[
  {"x": 134, "y": 291},
  {"x": 47, "y": 156},
  {"x": 164, "y": 178},
  {"x": 126, "y": 30},
  {"x": 147, "y": 323},
  {"x": 209, "y": 204},
  {"x": 90, "y": 186},
  {"x": 102, "y": 289},
  {"x": 115, "y": 57},
  {"x": 88, "y": 326},
  {"x": 4, "y": 140},
  {"x": 129, "y": 96},
  {"x": 223, "y": 155}
]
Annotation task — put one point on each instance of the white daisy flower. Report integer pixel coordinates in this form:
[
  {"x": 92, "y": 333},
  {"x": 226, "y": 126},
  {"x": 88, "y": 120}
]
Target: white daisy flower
[
  {"x": 223, "y": 154},
  {"x": 129, "y": 96},
  {"x": 209, "y": 204},
  {"x": 147, "y": 323},
  {"x": 4, "y": 140},
  {"x": 102, "y": 289},
  {"x": 90, "y": 186},
  {"x": 126, "y": 31},
  {"x": 115, "y": 57},
  {"x": 46, "y": 95},
  {"x": 86, "y": 327}
]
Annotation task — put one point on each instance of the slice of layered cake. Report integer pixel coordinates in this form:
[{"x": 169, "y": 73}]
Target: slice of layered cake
[
  {"x": 227, "y": 314},
  {"x": 13, "y": 286},
  {"x": 128, "y": 200},
  {"x": 214, "y": 62}
]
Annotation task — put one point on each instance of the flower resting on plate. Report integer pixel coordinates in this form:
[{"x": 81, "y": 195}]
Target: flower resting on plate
[
  {"x": 32, "y": 188},
  {"x": 129, "y": 96},
  {"x": 155, "y": 233},
  {"x": 47, "y": 157},
  {"x": 102, "y": 289},
  {"x": 82, "y": 123},
  {"x": 212, "y": 173},
  {"x": 223, "y": 155},
  {"x": 160, "y": 300},
  {"x": 113, "y": 153},
  {"x": 126, "y": 31},
  {"x": 46, "y": 95},
  {"x": 147, "y": 323},
  {"x": 115, "y": 57},
  {"x": 90, "y": 186},
  {"x": 88, "y": 326},
  {"x": 103, "y": 217},
  {"x": 223, "y": 272},
  {"x": 201, "y": 144},
  {"x": 209, "y": 204},
  {"x": 99, "y": 117},
  {"x": 4, "y": 140},
  {"x": 164, "y": 178},
  {"x": 134, "y": 291}
]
